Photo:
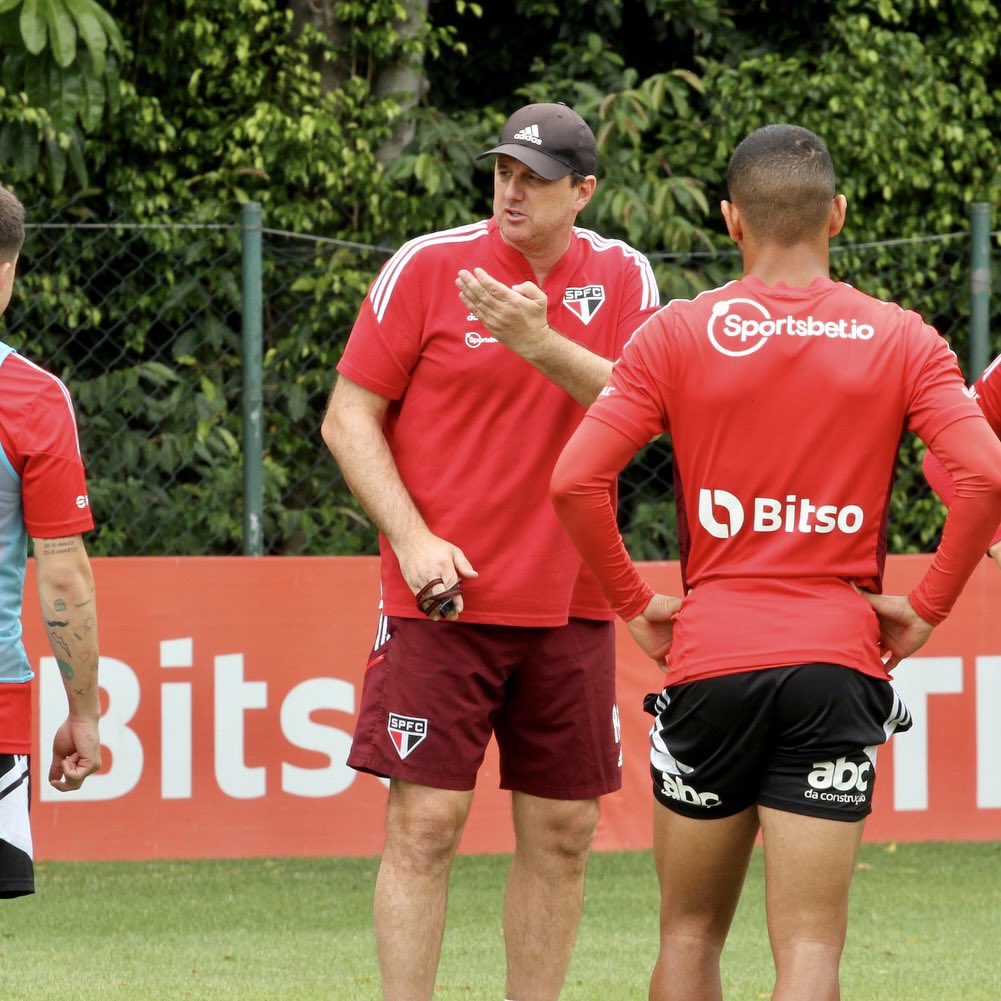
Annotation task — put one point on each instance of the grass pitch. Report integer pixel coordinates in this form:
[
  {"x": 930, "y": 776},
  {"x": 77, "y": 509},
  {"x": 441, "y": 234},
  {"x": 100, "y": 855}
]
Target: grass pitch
[{"x": 925, "y": 926}]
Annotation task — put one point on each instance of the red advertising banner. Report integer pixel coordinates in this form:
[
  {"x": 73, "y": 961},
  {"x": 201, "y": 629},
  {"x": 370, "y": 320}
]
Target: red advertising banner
[{"x": 231, "y": 686}]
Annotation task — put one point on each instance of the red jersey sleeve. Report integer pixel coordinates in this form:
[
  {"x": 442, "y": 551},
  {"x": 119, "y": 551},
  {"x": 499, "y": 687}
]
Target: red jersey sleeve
[
  {"x": 987, "y": 392},
  {"x": 633, "y": 400},
  {"x": 580, "y": 490},
  {"x": 971, "y": 454},
  {"x": 628, "y": 413},
  {"x": 385, "y": 342},
  {"x": 640, "y": 301},
  {"x": 938, "y": 396},
  {"x": 44, "y": 450}
]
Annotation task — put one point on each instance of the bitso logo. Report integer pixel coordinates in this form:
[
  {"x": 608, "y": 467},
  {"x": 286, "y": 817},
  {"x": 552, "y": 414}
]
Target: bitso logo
[
  {"x": 584, "y": 302},
  {"x": 407, "y": 732},
  {"x": 732, "y": 509},
  {"x": 739, "y": 327},
  {"x": 722, "y": 515}
]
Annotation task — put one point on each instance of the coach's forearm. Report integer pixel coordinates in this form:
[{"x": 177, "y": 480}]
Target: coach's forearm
[
  {"x": 356, "y": 440},
  {"x": 576, "y": 370}
]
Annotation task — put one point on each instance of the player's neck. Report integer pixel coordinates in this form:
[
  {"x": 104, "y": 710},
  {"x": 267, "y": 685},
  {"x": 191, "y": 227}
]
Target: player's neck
[{"x": 795, "y": 266}]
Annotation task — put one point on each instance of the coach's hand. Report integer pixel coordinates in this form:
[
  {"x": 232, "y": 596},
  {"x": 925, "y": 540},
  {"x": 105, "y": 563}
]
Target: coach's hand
[
  {"x": 653, "y": 628},
  {"x": 515, "y": 315},
  {"x": 432, "y": 558},
  {"x": 901, "y": 630}
]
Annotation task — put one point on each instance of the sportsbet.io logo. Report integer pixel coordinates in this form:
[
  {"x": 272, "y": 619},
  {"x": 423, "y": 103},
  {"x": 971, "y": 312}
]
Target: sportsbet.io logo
[
  {"x": 722, "y": 515},
  {"x": 739, "y": 327}
]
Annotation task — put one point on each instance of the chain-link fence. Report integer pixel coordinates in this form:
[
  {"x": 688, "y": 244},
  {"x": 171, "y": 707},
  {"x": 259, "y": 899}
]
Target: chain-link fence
[{"x": 147, "y": 326}]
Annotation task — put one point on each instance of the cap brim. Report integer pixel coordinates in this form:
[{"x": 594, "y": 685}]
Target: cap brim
[{"x": 543, "y": 164}]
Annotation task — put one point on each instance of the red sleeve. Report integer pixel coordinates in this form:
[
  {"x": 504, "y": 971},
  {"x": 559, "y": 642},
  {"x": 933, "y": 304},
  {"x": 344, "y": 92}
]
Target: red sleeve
[
  {"x": 941, "y": 482},
  {"x": 386, "y": 339},
  {"x": 988, "y": 391},
  {"x": 937, "y": 396},
  {"x": 971, "y": 454},
  {"x": 938, "y": 479},
  {"x": 580, "y": 490},
  {"x": 640, "y": 302},
  {"x": 41, "y": 437}
]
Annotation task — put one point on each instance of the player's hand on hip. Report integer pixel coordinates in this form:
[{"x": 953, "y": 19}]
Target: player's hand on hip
[
  {"x": 901, "y": 630},
  {"x": 434, "y": 570},
  {"x": 515, "y": 315},
  {"x": 653, "y": 628}
]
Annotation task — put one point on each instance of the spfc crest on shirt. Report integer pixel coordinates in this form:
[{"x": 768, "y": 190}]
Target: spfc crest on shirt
[
  {"x": 585, "y": 302},
  {"x": 407, "y": 732}
]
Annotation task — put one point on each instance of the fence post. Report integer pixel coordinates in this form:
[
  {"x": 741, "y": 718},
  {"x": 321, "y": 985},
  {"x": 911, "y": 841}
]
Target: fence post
[
  {"x": 253, "y": 380},
  {"x": 980, "y": 286}
]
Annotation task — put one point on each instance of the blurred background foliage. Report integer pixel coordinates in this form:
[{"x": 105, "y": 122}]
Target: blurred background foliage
[{"x": 133, "y": 130}]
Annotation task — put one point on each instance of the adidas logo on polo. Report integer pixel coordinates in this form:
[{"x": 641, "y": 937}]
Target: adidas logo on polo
[{"x": 529, "y": 134}]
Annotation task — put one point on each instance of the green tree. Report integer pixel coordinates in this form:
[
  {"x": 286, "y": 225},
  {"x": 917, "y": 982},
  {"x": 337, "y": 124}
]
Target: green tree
[
  {"x": 59, "y": 73},
  {"x": 357, "y": 123}
]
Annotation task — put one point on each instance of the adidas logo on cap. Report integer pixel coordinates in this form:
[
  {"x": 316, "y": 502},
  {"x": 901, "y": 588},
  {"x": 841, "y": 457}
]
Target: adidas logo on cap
[{"x": 529, "y": 134}]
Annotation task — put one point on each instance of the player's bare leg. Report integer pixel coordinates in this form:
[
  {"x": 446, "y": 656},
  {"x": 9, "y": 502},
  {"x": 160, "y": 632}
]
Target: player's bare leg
[
  {"x": 545, "y": 892},
  {"x": 423, "y": 827},
  {"x": 808, "y": 869},
  {"x": 701, "y": 866}
]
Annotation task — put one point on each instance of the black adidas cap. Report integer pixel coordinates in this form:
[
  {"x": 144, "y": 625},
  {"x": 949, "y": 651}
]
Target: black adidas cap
[{"x": 552, "y": 139}]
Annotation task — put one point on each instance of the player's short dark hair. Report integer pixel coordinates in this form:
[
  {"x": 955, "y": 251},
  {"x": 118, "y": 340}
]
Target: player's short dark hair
[
  {"x": 782, "y": 179},
  {"x": 11, "y": 225}
]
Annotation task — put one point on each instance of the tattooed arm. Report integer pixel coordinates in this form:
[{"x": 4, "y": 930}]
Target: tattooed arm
[{"x": 69, "y": 611}]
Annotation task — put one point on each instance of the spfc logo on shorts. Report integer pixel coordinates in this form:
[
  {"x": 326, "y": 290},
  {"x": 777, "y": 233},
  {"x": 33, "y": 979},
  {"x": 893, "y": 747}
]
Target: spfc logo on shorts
[
  {"x": 407, "y": 732},
  {"x": 585, "y": 302}
]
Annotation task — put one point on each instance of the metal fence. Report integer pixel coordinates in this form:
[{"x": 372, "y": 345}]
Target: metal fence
[{"x": 200, "y": 357}]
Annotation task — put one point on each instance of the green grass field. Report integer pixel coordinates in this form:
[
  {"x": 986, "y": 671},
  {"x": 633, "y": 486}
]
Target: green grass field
[{"x": 925, "y": 926}]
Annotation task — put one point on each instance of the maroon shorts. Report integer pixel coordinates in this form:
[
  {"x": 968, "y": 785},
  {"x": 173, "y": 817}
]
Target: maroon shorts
[{"x": 435, "y": 691}]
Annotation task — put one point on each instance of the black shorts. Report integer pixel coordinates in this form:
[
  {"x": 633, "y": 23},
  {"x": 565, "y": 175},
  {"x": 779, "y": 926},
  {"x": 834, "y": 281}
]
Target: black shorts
[
  {"x": 17, "y": 873},
  {"x": 801, "y": 739}
]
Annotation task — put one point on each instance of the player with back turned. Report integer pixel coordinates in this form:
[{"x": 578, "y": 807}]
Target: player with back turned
[
  {"x": 784, "y": 394},
  {"x": 447, "y": 436}
]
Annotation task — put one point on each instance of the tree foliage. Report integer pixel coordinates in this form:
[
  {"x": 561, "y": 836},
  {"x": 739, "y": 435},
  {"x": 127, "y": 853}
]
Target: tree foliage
[
  {"x": 59, "y": 73},
  {"x": 179, "y": 112}
]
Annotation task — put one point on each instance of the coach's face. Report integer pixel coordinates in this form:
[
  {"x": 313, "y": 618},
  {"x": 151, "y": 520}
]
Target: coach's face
[{"x": 536, "y": 216}]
